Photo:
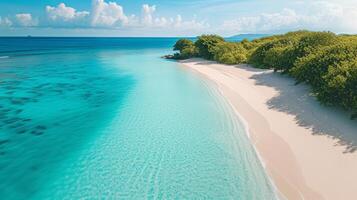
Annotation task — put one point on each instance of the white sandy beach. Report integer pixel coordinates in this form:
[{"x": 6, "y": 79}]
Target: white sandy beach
[{"x": 308, "y": 149}]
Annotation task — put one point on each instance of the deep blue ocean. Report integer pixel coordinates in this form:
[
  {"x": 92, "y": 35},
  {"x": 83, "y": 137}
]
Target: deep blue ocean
[{"x": 107, "y": 118}]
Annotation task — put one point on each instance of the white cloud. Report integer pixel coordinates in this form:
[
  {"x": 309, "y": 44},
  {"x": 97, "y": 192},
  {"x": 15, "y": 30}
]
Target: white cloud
[
  {"x": 25, "y": 19},
  {"x": 107, "y": 14},
  {"x": 149, "y": 20},
  {"x": 319, "y": 15},
  {"x": 287, "y": 18},
  {"x": 147, "y": 15},
  {"x": 162, "y": 21},
  {"x": 111, "y": 15},
  {"x": 64, "y": 13},
  {"x": 179, "y": 23},
  {"x": 332, "y": 16},
  {"x": 5, "y": 22}
]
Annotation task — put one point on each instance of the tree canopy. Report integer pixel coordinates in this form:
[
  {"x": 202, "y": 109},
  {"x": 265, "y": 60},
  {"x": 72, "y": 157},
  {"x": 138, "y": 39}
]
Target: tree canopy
[
  {"x": 205, "y": 45},
  {"x": 324, "y": 60},
  {"x": 182, "y": 44}
]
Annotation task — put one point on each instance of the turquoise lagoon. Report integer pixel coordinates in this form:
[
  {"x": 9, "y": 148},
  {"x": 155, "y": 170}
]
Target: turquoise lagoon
[{"x": 107, "y": 118}]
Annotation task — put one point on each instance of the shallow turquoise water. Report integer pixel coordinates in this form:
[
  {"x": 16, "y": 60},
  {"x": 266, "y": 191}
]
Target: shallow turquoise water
[{"x": 118, "y": 123}]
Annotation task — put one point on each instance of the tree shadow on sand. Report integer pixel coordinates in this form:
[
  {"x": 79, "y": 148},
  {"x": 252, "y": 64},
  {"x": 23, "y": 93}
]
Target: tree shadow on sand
[{"x": 308, "y": 112}]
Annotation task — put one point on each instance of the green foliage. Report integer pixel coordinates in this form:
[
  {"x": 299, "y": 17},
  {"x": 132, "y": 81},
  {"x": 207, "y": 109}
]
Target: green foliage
[
  {"x": 205, "y": 45},
  {"x": 340, "y": 86},
  {"x": 229, "y": 53},
  {"x": 186, "y": 48},
  {"x": 280, "y": 52},
  {"x": 326, "y": 61},
  {"x": 312, "y": 40},
  {"x": 182, "y": 43},
  {"x": 332, "y": 73},
  {"x": 189, "y": 52},
  {"x": 247, "y": 44},
  {"x": 312, "y": 67}
]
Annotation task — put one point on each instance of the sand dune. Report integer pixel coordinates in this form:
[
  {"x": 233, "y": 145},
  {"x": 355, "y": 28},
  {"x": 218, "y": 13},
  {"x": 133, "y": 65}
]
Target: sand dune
[{"x": 308, "y": 149}]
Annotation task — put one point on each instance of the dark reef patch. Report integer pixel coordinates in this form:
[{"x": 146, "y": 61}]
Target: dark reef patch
[
  {"x": 41, "y": 127},
  {"x": 21, "y": 131},
  {"x": 37, "y": 132},
  {"x": 2, "y": 142}
]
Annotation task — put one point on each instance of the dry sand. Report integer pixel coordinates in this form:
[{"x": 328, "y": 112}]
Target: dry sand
[{"x": 308, "y": 149}]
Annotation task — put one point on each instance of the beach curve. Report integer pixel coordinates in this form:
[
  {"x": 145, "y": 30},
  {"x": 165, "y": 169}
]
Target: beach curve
[{"x": 305, "y": 157}]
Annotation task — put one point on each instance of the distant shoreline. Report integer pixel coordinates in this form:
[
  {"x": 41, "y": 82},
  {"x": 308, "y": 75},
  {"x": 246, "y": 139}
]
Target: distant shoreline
[{"x": 304, "y": 145}]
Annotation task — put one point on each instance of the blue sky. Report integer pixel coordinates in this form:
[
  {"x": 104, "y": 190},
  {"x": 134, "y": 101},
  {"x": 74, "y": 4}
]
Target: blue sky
[{"x": 173, "y": 18}]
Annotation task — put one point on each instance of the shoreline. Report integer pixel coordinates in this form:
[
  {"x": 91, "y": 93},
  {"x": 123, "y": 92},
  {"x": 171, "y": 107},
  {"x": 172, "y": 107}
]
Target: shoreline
[{"x": 306, "y": 158}]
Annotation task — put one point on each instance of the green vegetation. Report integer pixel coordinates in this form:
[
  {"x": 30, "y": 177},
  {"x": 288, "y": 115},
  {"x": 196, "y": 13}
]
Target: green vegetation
[
  {"x": 186, "y": 49},
  {"x": 229, "y": 53},
  {"x": 206, "y": 45},
  {"x": 324, "y": 60}
]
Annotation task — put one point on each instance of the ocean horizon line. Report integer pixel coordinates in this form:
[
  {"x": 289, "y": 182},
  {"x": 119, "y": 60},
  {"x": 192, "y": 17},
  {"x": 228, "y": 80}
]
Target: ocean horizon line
[{"x": 125, "y": 37}]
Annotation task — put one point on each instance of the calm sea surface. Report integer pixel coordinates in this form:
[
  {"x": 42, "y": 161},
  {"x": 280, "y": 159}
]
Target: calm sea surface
[{"x": 107, "y": 118}]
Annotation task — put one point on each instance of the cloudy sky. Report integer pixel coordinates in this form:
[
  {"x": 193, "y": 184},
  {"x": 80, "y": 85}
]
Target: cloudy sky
[{"x": 173, "y": 18}]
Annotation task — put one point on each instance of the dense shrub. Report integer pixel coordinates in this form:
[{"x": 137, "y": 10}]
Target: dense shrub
[
  {"x": 340, "y": 86},
  {"x": 281, "y": 51},
  {"x": 182, "y": 44},
  {"x": 332, "y": 73},
  {"x": 312, "y": 67},
  {"x": 186, "y": 48},
  {"x": 312, "y": 40},
  {"x": 229, "y": 53},
  {"x": 205, "y": 45},
  {"x": 189, "y": 52},
  {"x": 277, "y": 54},
  {"x": 326, "y": 61}
]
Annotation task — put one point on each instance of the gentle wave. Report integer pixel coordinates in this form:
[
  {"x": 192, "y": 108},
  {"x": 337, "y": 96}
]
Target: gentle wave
[{"x": 4, "y": 57}]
